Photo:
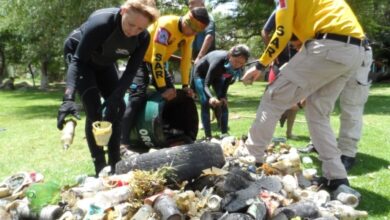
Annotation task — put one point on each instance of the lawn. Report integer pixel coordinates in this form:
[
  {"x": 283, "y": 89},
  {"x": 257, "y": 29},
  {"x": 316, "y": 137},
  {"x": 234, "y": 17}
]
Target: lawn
[{"x": 30, "y": 141}]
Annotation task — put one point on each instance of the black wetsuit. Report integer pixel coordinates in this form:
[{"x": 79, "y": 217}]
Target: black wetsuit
[
  {"x": 91, "y": 52},
  {"x": 211, "y": 70}
]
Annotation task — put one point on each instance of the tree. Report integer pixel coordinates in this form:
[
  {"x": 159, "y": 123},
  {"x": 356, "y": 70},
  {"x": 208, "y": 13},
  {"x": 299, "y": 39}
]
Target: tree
[
  {"x": 245, "y": 24},
  {"x": 33, "y": 31},
  {"x": 42, "y": 30}
]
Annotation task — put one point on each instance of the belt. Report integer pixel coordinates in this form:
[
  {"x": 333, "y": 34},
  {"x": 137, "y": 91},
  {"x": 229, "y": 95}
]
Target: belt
[{"x": 341, "y": 38}]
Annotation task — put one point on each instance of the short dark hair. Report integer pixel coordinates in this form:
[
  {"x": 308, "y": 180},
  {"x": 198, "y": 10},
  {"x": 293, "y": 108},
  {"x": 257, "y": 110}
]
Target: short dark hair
[
  {"x": 201, "y": 14},
  {"x": 240, "y": 50}
]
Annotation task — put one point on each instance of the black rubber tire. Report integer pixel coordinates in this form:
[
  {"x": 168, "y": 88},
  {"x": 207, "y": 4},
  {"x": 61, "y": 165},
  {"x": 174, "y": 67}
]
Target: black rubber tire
[{"x": 187, "y": 160}]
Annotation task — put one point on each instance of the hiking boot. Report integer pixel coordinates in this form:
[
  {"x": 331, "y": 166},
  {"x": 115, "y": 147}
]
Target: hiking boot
[
  {"x": 258, "y": 164},
  {"x": 308, "y": 149},
  {"x": 348, "y": 162},
  {"x": 330, "y": 185}
]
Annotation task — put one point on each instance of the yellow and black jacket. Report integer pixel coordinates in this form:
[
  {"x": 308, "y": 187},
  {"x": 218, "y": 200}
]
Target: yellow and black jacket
[
  {"x": 306, "y": 19},
  {"x": 166, "y": 38}
]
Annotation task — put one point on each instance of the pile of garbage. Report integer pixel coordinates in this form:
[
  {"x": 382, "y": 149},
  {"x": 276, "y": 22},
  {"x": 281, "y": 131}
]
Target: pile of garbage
[{"x": 224, "y": 184}]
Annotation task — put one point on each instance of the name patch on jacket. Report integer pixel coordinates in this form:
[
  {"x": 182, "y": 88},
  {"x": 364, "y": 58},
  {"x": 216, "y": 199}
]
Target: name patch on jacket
[{"x": 162, "y": 36}]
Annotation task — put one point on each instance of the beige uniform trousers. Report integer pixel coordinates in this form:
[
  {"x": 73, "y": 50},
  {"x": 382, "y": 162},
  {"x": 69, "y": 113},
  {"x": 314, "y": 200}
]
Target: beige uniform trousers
[
  {"x": 319, "y": 71},
  {"x": 352, "y": 100}
]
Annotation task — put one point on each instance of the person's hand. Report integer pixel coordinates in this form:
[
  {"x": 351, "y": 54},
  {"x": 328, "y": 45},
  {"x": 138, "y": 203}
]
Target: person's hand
[
  {"x": 196, "y": 60},
  {"x": 224, "y": 102},
  {"x": 67, "y": 108},
  {"x": 297, "y": 44},
  {"x": 189, "y": 92},
  {"x": 214, "y": 102},
  {"x": 250, "y": 75},
  {"x": 295, "y": 107},
  {"x": 169, "y": 94},
  {"x": 114, "y": 105}
]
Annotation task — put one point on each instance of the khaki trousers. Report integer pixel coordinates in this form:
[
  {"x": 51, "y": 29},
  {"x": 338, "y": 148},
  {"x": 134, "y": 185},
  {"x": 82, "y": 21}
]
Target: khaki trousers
[
  {"x": 319, "y": 72},
  {"x": 352, "y": 100}
]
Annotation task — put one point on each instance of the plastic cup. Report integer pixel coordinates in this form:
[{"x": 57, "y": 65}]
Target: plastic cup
[{"x": 102, "y": 131}]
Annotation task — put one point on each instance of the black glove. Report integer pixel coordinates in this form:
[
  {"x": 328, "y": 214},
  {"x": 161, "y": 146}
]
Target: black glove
[
  {"x": 114, "y": 105},
  {"x": 68, "y": 107},
  {"x": 259, "y": 66}
]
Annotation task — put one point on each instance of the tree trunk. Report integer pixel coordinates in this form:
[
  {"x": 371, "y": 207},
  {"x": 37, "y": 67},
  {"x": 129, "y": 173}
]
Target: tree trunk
[
  {"x": 32, "y": 73},
  {"x": 44, "y": 76},
  {"x": 2, "y": 65}
]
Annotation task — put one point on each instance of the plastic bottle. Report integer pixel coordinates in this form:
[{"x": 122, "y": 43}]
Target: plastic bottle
[
  {"x": 42, "y": 194},
  {"x": 112, "y": 197},
  {"x": 68, "y": 133},
  {"x": 143, "y": 213}
]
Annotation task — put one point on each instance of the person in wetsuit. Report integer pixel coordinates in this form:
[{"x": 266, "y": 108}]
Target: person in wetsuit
[
  {"x": 168, "y": 34},
  {"x": 218, "y": 69},
  {"x": 91, "y": 52}
]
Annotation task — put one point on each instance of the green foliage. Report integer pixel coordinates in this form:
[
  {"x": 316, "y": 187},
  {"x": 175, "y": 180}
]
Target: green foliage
[
  {"x": 178, "y": 7},
  {"x": 33, "y": 31},
  {"x": 245, "y": 25}
]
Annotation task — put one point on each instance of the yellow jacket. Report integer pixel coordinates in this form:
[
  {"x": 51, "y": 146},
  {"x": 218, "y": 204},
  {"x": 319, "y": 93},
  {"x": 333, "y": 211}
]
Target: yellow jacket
[
  {"x": 306, "y": 19},
  {"x": 165, "y": 39}
]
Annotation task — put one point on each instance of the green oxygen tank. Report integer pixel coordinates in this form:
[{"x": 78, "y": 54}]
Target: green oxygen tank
[{"x": 165, "y": 123}]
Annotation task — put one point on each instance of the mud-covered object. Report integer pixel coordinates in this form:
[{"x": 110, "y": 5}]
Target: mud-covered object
[
  {"x": 303, "y": 209},
  {"x": 211, "y": 215},
  {"x": 238, "y": 201},
  {"x": 270, "y": 183},
  {"x": 237, "y": 216},
  {"x": 302, "y": 181},
  {"x": 257, "y": 210},
  {"x": 237, "y": 179},
  {"x": 207, "y": 182},
  {"x": 187, "y": 161},
  {"x": 223, "y": 216}
]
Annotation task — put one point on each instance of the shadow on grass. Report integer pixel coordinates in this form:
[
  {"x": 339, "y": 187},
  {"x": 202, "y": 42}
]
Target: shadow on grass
[
  {"x": 375, "y": 105},
  {"x": 377, "y": 208},
  {"x": 366, "y": 164},
  {"x": 36, "y": 94},
  {"x": 303, "y": 138},
  {"x": 37, "y": 111}
]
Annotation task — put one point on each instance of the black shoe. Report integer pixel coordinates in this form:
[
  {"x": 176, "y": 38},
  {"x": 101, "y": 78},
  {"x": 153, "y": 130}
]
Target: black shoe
[
  {"x": 258, "y": 164},
  {"x": 330, "y": 185},
  {"x": 348, "y": 162},
  {"x": 308, "y": 149}
]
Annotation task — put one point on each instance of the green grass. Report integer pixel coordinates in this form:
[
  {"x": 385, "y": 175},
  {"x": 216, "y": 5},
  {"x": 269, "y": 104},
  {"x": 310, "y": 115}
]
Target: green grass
[{"x": 30, "y": 141}]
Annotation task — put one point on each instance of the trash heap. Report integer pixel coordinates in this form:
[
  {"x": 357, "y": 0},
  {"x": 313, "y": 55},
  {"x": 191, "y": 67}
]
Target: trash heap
[{"x": 186, "y": 182}]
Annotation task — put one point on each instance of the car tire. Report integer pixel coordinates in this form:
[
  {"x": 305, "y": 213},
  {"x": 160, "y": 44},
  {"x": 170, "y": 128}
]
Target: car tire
[{"x": 188, "y": 160}]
